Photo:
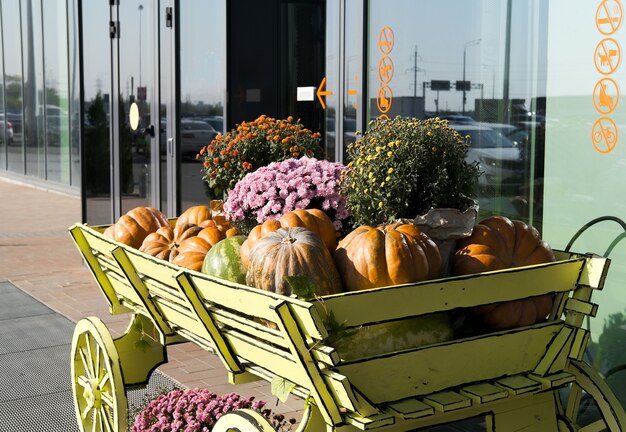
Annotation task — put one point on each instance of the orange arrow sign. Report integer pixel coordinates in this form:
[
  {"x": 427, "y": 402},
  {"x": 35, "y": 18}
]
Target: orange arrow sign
[{"x": 321, "y": 92}]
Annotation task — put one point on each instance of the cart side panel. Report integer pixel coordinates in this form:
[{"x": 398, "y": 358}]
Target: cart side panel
[
  {"x": 391, "y": 303},
  {"x": 438, "y": 367}
]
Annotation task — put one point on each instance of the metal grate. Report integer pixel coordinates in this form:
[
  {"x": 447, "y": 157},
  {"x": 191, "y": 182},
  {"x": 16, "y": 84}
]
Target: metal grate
[{"x": 35, "y": 374}]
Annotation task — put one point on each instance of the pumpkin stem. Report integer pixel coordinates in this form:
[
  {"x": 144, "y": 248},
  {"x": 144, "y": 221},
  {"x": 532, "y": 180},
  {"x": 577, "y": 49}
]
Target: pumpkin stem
[{"x": 288, "y": 240}]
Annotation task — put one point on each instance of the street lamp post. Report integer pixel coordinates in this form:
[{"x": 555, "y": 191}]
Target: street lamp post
[
  {"x": 140, "y": 10},
  {"x": 467, "y": 45}
]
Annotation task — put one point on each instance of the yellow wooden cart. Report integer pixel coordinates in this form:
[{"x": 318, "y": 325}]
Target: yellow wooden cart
[{"x": 532, "y": 378}]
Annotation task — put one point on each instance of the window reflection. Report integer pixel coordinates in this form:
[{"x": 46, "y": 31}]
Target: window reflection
[
  {"x": 418, "y": 70},
  {"x": 34, "y": 100},
  {"x": 56, "y": 92},
  {"x": 13, "y": 83},
  {"x": 96, "y": 127},
  {"x": 203, "y": 74}
]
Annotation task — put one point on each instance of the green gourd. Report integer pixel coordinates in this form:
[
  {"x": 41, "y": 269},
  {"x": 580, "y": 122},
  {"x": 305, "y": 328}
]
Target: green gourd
[{"x": 224, "y": 260}]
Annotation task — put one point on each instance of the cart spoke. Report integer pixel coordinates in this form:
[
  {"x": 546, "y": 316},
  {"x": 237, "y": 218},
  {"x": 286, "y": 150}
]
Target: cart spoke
[
  {"x": 87, "y": 410},
  {"x": 83, "y": 381},
  {"x": 573, "y": 402},
  {"x": 89, "y": 342},
  {"x": 83, "y": 357},
  {"x": 108, "y": 400},
  {"x": 107, "y": 419},
  {"x": 98, "y": 355},
  {"x": 104, "y": 380},
  {"x": 94, "y": 427},
  {"x": 597, "y": 426}
]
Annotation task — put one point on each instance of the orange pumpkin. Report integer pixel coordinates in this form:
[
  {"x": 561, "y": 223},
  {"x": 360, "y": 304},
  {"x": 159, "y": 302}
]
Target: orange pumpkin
[
  {"x": 498, "y": 243},
  {"x": 292, "y": 252},
  {"x": 388, "y": 255},
  {"x": 191, "y": 252},
  {"x": 164, "y": 243},
  {"x": 314, "y": 220},
  {"x": 134, "y": 226},
  {"x": 195, "y": 215}
]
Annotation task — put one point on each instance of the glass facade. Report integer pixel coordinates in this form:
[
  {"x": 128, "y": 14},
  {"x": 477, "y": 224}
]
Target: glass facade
[
  {"x": 36, "y": 144},
  {"x": 539, "y": 101}
]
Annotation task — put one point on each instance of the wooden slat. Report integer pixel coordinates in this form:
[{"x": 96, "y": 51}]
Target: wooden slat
[
  {"x": 519, "y": 384},
  {"x": 246, "y": 325},
  {"x": 556, "y": 350},
  {"x": 554, "y": 380},
  {"x": 438, "y": 367},
  {"x": 141, "y": 292},
  {"x": 313, "y": 378},
  {"x": 256, "y": 302},
  {"x": 581, "y": 339},
  {"x": 484, "y": 392},
  {"x": 412, "y": 408},
  {"x": 582, "y": 307},
  {"x": 447, "y": 401},
  {"x": 371, "y": 423},
  {"x": 594, "y": 272},
  {"x": 382, "y": 304}
]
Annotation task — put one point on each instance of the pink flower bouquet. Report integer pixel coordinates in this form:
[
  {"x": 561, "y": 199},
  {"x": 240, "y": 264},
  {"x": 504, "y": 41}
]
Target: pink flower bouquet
[
  {"x": 281, "y": 187},
  {"x": 197, "y": 410}
]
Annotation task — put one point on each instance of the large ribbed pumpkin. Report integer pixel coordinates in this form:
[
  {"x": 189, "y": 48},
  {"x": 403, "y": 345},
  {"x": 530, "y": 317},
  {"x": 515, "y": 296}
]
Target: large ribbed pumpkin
[
  {"x": 498, "y": 243},
  {"x": 164, "y": 243},
  {"x": 134, "y": 226},
  {"x": 314, "y": 220},
  {"x": 388, "y": 255},
  {"x": 292, "y": 252},
  {"x": 192, "y": 251}
]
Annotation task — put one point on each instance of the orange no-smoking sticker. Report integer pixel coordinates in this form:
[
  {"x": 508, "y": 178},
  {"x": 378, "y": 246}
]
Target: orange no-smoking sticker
[
  {"x": 609, "y": 16},
  {"x": 607, "y": 56},
  {"x": 604, "y": 135},
  {"x": 605, "y": 96}
]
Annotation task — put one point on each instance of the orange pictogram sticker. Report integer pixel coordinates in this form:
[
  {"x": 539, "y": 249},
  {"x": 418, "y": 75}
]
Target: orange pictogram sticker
[
  {"x": 604, "y": 135},
  {"x": 607, "y": 56},
  {"x": 609, "y": 16},
  {"x": 385, "y": 69},
  {"x": 385, "y": 40},
  {"x": 605, "y": 96},
  {"x": 384, "y": 99}
]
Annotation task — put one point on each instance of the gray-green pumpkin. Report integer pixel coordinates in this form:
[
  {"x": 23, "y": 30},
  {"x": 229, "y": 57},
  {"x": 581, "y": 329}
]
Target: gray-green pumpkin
[
  {"x": 388, "y": 337},
  {"x": 224, "y": 260},
  {"x": 292, "y": 252}
]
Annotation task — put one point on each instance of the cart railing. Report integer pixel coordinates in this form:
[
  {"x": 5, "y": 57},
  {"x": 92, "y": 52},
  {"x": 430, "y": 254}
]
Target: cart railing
[{"x": 258, "y": 334}]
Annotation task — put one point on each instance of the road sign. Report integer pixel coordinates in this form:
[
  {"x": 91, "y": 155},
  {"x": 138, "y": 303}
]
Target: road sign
[
  {"x": 463, "y": 85},
  {"x": 439, "y": 85}
]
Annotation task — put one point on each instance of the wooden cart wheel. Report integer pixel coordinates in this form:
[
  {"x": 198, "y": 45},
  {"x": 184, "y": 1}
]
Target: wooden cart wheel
[
  {"x": 590, "y": 385},
  {"x": 99, "y": 396},
  {"x": 243, "y": 420}
]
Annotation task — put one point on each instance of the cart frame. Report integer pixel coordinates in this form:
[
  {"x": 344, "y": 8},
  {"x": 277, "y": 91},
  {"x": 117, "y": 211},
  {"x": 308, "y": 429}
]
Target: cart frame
[{"x": 514, "y": 378}]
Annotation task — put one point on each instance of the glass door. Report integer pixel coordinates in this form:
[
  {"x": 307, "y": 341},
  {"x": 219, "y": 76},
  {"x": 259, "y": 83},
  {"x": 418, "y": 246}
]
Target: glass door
[{"x": 135, "y": 119}]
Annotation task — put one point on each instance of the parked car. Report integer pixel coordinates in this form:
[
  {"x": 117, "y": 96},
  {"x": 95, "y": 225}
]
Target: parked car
[
  {"x": 194, "y": 134},
  {"x": 500, "y": 160},
  {"x": 8, "y": 126},
  {"x": 216, "y": 121}
]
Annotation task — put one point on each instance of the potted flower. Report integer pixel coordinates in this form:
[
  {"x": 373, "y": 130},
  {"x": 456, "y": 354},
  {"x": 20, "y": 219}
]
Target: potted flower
[
  {"x": 198, "y": 410},
  {"x": 406, "y": 168},
  {"x": 252, "y": 145},
  {"x": 284, "y": 186}
]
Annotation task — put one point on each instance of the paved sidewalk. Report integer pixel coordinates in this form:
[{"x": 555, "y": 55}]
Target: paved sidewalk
[{"x": 38, "y": 256}]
